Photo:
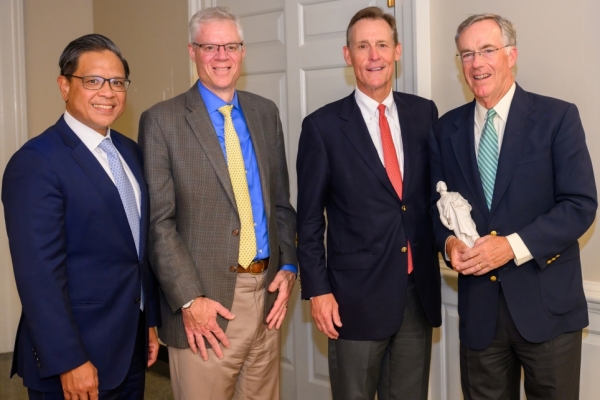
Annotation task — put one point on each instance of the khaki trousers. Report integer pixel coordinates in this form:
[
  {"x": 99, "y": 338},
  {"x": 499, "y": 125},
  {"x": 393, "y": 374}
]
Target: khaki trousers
[{"x": 249, "y": 368}]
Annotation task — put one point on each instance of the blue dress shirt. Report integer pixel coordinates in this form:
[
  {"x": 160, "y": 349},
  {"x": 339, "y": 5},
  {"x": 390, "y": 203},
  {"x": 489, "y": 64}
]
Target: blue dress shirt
[{"x": 213, "y": 103}]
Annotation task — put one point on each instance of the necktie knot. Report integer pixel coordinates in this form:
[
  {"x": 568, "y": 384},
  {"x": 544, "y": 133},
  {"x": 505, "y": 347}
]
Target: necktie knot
[
  {"x": 381, "y": 109},
  {"x": 226, "y": 110},
  {"x": 490, "y": 114},
  {"x": 107, "y": 145}
]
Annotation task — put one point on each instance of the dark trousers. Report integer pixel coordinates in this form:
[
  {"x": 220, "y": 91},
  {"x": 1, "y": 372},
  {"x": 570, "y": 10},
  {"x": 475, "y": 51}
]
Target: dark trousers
[
  {"x": 551, "y": 368},
  {"x": 132, "y": 387},
  {"x": 395, "y": 368}
]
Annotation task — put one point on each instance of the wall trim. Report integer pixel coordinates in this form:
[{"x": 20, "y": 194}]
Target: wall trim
[
  {"x": 591, "y": 289},
  {"x": 422, "y": 45},
  {"x": 13, "y": 133}
]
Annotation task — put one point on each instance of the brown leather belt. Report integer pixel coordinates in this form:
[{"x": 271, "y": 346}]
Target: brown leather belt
[{"x": 255, "y": 268}]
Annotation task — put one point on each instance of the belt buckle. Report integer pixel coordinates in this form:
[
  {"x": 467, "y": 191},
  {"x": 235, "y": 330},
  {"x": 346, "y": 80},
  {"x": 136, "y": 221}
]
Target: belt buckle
[{"x": 255, "y": 262}]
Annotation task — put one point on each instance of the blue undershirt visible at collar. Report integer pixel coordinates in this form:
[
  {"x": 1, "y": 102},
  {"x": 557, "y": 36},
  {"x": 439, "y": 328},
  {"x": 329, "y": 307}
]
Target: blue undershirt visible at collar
[{"x": 213, "y": 103}]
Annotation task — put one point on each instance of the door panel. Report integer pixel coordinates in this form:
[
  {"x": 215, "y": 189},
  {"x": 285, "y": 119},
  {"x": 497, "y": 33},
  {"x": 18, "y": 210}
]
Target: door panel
[{"x": 294, "y": 57}]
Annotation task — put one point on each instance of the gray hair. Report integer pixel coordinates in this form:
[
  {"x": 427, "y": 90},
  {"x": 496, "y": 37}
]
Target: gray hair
[
  {"x": 509, "y": 33},
  {"x": 213, "y": 14}
]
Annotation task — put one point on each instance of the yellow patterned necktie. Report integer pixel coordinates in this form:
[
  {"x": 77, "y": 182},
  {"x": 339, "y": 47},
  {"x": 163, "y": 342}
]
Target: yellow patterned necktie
[{"x": 237, "y": 173}]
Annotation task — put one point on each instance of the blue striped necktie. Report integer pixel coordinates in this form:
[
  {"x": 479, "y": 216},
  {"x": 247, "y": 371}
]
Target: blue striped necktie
[
  {"x": 487, "y": 160},
  {"x": 126, "y": 193}
]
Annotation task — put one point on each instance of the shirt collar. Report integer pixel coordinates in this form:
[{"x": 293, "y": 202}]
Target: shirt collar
[
  {"x": 88, "y": 136},
  {"x": 214, "y": 102},
  {"x": 367, "y": 103},
  {"x": 502, "y": 108}
]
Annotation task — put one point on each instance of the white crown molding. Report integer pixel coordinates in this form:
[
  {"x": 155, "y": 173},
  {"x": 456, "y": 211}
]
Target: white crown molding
[{"x": 13, "y": 104}]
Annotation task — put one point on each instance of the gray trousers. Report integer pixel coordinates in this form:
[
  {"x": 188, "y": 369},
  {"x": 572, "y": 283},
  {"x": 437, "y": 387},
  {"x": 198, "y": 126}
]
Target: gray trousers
[
  {"x": 551, "y": 368},
  {"x": 396, "y": 367}
]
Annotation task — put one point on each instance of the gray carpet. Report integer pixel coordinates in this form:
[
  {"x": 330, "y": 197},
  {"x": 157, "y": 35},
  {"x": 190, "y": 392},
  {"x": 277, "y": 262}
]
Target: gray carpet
[{"x": 158, "y": 386}]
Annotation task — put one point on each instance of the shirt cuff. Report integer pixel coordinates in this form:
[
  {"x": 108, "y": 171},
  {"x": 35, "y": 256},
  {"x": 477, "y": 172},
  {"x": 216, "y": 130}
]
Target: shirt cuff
[
  {"x": 445, "y": 243},
  {"x": 291, "y": 268},
  {"x": 188, "y": 304},
  {"x": 522, "y": 254}
]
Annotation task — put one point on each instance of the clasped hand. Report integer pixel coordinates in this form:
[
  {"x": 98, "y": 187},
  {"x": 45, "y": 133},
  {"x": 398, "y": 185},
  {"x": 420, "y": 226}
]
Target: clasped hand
[{"x": 488, "y": 253}]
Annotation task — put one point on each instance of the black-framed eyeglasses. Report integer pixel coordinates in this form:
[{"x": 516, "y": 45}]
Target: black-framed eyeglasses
[
  {"x": 96, "y": 82},
  {"x": 487, "y": 54},
  {"x": 210, "y": 48}
]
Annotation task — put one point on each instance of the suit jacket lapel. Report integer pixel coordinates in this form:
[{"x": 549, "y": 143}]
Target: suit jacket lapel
[
  {"x": 202, "y": 126},
  {"x": 357, "y": 133},
  {"x": 92, "y": 168},
  {"x": 409, "y": 141},
  {"x": 260, "y": 148},
  {"x": 463, "y": 143},
  {"x": 516, "y": 133}
]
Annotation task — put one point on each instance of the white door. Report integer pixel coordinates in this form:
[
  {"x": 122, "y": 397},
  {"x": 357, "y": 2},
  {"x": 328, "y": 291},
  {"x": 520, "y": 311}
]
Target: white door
[{"x": 294, "y": 57}]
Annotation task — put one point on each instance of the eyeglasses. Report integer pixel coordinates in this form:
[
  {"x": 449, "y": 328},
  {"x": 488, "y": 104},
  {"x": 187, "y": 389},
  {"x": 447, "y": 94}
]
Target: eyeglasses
[
  {"x": 96, "y": 82},
  {"x": 487, "y": 54},
  {"x": 209, "y": 48}
]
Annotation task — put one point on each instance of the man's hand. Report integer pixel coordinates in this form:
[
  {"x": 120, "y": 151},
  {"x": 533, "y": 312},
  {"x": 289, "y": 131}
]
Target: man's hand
[
  {"x": 455, "y": 248},
  {"x": 487, "y": 254},
  {"x": 200, "y": 321},
  {"x": 324, "y": 310},
  {"x": 284, "y": 281},
  {"x": 152, "y": 346},
  {"x": 80, "y": 383}
]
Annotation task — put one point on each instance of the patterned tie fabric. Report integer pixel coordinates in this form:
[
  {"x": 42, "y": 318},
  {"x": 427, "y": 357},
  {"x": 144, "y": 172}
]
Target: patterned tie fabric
[
  {"x": 237, "y": 173},
  {"x": 126, "y": 193},
  {"x": 487, "y": 161},
  {"x": 390, "y": 160}
]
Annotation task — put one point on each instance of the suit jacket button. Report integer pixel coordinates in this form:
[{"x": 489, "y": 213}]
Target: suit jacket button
[
  {"x": 39, "y": 365},
  {"x": 493, "y": 278},
  {"x": 493, "y": 233},
  {"x": 404, "y": 249},
  {"x": 233, "y": 268},
  {"x": 403, "y": 208},
  {"x": 235, "y": 232},
  {"x": 549, "y": 261},
  {"x": 137, "y": 300}
]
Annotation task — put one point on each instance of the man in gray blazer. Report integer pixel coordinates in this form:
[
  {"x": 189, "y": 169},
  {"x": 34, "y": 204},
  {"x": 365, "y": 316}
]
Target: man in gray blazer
[{"x": 222, "y": 228}]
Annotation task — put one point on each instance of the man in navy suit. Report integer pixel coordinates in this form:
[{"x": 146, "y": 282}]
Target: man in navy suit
[
  {"x": 521, "y": 161},
  {"x": 76, "y": 210},
  {"x": 375, "y": 291}
]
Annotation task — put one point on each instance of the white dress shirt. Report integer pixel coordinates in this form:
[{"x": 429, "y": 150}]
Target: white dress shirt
[
  {"x": 522, "y": 254},
  {"x": 370, "y": 113},
  {"x": 91, "y": 139}
]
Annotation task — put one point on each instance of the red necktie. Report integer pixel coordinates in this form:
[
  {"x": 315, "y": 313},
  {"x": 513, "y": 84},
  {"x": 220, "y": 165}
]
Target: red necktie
[{"x": 390, "y": 160}]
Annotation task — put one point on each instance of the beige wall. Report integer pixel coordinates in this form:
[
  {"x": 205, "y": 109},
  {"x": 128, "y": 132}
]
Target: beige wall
[
  {"x": 558, "y": 43},
  {"x": 151, "y": 34},
  {"x": 49, "y": 27},
  {"x": 153, "y": 39}
]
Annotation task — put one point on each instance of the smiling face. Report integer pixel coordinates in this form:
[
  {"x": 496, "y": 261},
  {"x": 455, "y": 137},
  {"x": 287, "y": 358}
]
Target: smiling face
[
  {"x": 97, "y": 109},
  {"x": 488, "y": 79},
  {"x": 218, "y": 71},
  {"x": 373, "y": 54}
]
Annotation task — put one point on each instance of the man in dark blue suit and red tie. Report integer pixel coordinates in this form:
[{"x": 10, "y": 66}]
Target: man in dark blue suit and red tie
[
  {"x": 521, "y": 161},
  {"x": 76, "y": 210},
  {"x": 375, "y": 289}
]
